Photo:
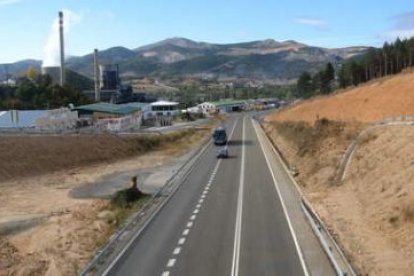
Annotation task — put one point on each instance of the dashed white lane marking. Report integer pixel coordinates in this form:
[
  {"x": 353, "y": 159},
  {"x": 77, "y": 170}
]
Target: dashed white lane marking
[
  {"x": 171, "y": 262},
  {"x": 181, "y": 241},
  {"x": 177, "y": 250}
]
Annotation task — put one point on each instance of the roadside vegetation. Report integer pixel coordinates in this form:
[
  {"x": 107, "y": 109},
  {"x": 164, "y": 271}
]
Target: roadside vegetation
[
  {"x": 308, "y": 138},
  {"x": 29, "y": 156},
  {"x": 391, "y": 59},
  {"x": 36, "y": 91}
]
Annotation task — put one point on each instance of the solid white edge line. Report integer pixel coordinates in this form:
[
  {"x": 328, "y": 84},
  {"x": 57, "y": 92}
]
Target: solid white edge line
[
  {"x": 292, "y": 231},
  {"x": 156, "y": 212},
  {"x": 239, "y": 214}
]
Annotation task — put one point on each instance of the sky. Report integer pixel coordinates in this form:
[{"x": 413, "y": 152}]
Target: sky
[{"x": 26, "y": 26}]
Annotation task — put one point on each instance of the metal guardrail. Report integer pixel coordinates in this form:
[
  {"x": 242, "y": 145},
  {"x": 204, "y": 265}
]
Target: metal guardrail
[
  {"x": 327, "y": 241},
  {"x": 347, "y": 156}
]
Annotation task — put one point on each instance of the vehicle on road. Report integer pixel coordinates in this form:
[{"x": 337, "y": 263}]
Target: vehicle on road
[
  {"x": 223, "y": 152},
  {"x": 220, "y": 136}
]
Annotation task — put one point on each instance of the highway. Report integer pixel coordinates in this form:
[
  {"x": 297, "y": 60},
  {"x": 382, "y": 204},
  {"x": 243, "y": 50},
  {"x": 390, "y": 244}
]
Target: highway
[{"x": 226, "y": 218}]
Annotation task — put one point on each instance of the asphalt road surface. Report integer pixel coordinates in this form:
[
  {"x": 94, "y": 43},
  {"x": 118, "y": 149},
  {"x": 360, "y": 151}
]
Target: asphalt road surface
[{"x": 226, "y": 218}]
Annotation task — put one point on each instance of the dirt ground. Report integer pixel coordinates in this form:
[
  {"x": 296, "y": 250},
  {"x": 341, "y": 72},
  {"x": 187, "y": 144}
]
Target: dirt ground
[
  {"x": 388, "y": 97},
  {"x": 71, "y": 229},
  {"x": 36, "y": 155},
  {"x": 371, "y": 213}
]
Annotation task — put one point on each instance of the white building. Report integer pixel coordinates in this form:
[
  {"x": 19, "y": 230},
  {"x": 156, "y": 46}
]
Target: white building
[
  {"x": 207, "y": 107},
  {"x": 161, "y": 109}
]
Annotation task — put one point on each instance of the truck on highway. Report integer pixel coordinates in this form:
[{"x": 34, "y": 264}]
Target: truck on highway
[{"x": 219, "y": 136}]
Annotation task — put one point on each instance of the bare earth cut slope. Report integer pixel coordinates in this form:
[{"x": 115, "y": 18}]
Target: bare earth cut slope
[
  {"x": 371, "y": 212},
  {"x": 393, "y": 96}
]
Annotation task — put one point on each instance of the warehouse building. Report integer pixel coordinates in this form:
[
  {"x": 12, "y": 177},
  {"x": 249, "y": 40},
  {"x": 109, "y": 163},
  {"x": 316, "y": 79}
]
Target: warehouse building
[
  {"x": 112, "y": 117},
  {"x": 223, "y": 106}
]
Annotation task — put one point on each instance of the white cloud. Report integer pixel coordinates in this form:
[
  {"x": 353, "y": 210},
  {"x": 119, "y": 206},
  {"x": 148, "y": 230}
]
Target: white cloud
[
  {"x": 393, "y": 34},
  {"x": 403, "y": 27},
  {"x": 8, "y": 2},
  {"x": 404, "y": 20},
  {"x": 311, "y": 21}
]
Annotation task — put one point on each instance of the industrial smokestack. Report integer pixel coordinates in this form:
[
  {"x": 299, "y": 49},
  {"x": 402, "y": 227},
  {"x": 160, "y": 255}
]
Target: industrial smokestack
[
  {"x": 97, "y": 76},
  {"x": 62, "y": 50}
]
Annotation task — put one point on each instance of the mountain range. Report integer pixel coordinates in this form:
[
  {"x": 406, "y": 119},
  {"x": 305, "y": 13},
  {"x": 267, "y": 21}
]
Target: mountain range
[{"x": 266, "y": 60}]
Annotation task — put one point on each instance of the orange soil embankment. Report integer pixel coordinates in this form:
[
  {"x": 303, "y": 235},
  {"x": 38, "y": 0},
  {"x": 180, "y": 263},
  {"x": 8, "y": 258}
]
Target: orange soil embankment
[
  {"x": 389, "y": 97},
  {"x": 371, "y": 213}
]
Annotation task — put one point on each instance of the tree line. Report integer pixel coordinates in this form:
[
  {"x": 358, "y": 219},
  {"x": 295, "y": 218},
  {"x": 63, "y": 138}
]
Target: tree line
[
  {"x": 392, "y": 58},
  {"x": 322, "y": 82},
  {"x": 37, "y": 91}
]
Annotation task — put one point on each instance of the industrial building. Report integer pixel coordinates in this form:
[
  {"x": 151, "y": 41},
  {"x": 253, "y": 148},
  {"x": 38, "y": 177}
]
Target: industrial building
[
  {"x": 56, "y": 119},
  {"x": 161, "y": 109},
  {"x": 111, "y": 117},
  {"x": 223, "y": 106},
  {"x": 105, "y": 110}
]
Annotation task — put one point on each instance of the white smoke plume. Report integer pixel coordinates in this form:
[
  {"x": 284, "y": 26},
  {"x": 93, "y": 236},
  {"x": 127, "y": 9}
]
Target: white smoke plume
[{"x": 51, "y": 51}]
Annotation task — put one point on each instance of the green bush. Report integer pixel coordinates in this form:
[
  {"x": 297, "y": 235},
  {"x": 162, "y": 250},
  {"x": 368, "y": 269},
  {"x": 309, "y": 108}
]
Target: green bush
[{"x": 125, "y": 198}]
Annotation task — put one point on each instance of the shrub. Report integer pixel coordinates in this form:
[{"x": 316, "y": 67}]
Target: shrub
[{"x": 124, "y": 198}]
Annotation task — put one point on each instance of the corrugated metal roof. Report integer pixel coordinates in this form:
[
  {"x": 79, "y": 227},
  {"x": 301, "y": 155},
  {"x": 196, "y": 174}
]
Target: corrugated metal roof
[
  {"x": 163, "y": 103},
  {"x": 228, "y": 102},
  {"x": 109, "y": 108},
  {"x": 20, "y": 118},
  {"x": 136, "y": 104}
]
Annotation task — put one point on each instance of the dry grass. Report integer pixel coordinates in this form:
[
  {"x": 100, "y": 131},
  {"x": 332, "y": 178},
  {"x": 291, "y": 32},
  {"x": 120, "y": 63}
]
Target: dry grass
[
  {"x": 374, "y": 101},
  {"x": 68, "y": 240},
  {"x": 35, "y": 155},
  {"x": 372, "y": 212},
  {"x": 307, "y": 138}
]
